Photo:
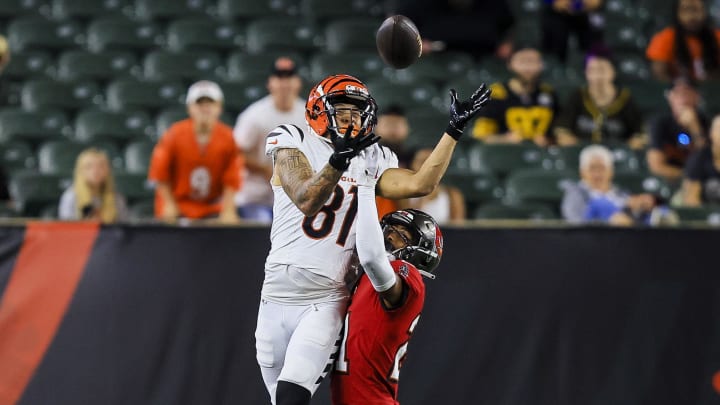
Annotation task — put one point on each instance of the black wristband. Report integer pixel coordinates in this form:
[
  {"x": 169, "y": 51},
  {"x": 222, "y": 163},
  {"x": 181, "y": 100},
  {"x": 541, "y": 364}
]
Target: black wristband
[
  {"x": 339, "y": 163},
  {"x": 454, "y": 132}
]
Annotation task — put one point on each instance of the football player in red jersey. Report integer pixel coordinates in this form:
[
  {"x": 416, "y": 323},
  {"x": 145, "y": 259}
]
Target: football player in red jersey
[{"x": 385, "y": 307}]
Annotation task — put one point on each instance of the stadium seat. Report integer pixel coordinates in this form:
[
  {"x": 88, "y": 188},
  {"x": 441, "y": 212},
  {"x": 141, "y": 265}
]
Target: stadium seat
[
  {"x": 625, "y": 159},
  {"x": 625, "y": 34},
  {"x": 405, "y": 95},
  {"x": 134, "y": 186},
  {"x": 131, "y": 95},
  {"x": 528, "y": 30},
  {"x": 280, "y": 34},
  {"x": 45, "y": 94},
  {"x": 49, "y": 212},
  {"x": 542, "y": 186},
  {"x": 525, "y": 7},
  {"x": 242, "y": 66},
  {"x": 38, "y": 33},
  {"x": 476, "y": 188},
  {"x": 709, "y": 214},
  {"x": 31, "y": 126},
  {"x": 351, "y": 34},
  {"x": 515, "y": 212},
  {"x": 239, "y": 95},
  {"x": 502, "y": 159},
  {"x": 8, "y": 212},
  {"x": 123, "y": 34},
  {"x": 76, "y": 65},
  {"x": 137, "y": 157},
  {"x": 121, "y": 126},
  {"x": 454, "y": 62},
  {"x": 636, "y": 183},
  {"x": 189, "y": 66},
  {"x": 16, "y": 156},
  {"x": 632, "y": 66},
  {"x": 321, "y": 11},
  {"x": 566, "y": 157},
  {"x": 27, "y": 65},
  {"x": 168, "y": 117},
  {"x": 85, "y": 10},
  {"x": 424, "y": 70},
  {"x": 363, "y": 65},
  {"x": 58, "y": 157},
  {"x": 250, "y": 9},
  {"x": 33, "y": 191},
  {"x": 169, "y": 9},
  {"x": 21, "y": 8},
  {"x": 426, "y": 126},
  {"x": 202, "y": 34},
  {"x": 648, "y": 95},
  {"x": 709, "y": 91}
]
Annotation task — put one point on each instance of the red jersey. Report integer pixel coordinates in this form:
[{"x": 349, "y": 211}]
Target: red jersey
[
  {"x": 375, "y": 342},
  {"x": 196, "y": 174}
]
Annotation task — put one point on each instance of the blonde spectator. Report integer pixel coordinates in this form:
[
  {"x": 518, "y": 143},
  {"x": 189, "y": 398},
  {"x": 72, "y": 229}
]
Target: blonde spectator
[
  {"x": 92, "y": 194},
  {"x": 446, "y": 204}
]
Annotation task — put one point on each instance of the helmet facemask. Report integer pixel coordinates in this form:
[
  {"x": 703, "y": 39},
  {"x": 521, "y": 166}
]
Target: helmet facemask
[
  {"x": 363, "y": 104},
  {"x": 424, "y": 251}
]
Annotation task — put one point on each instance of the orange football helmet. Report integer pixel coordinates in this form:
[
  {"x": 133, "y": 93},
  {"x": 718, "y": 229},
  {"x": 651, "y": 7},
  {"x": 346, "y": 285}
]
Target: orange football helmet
[{"x": 319, "y": 110}]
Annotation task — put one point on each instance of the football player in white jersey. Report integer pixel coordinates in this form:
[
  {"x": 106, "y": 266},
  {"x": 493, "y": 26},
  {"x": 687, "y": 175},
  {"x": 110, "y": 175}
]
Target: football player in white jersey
[{"x": 304, "y": 295}]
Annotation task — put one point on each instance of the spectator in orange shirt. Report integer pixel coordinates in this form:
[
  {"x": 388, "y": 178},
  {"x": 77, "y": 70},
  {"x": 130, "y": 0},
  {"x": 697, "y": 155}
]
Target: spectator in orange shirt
[
  {"x": 196, "y": 163},
  {"x": 694, "y": 53}
]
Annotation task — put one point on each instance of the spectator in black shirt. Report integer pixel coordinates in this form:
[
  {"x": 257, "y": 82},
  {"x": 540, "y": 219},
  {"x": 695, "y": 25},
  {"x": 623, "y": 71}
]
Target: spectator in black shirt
[
  {"x": 702, "y": 172},
  {"x": 600, "y": 112},
  {"x": 674, "y": 135}
]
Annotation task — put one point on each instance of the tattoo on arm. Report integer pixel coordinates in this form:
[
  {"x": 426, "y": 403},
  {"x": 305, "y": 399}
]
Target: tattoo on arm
[{"x": 307, "y": 189}]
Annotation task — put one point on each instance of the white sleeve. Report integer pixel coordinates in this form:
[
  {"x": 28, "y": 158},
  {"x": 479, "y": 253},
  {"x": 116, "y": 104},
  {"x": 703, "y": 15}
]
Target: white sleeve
[
  {"x": 241, "y": 131},
  {"x": 283, "y": 137},
  {"x": 370, "y": 242}
]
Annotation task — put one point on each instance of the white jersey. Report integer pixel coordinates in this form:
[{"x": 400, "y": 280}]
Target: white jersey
[{"x": 309, "y": 256}]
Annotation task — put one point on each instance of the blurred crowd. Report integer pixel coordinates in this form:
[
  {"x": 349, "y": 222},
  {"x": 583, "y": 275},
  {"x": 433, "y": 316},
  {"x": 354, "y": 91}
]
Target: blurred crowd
[{"x": 203, "y": 169}]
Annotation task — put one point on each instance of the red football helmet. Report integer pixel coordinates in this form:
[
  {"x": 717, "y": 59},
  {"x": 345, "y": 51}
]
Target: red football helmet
[{"x": 319, "y": 110}]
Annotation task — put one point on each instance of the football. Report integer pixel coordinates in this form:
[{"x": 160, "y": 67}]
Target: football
[{"x": 398, "y": 42}]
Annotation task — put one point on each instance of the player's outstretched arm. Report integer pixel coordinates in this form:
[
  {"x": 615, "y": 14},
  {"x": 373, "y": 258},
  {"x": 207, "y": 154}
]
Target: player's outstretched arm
[
  {"x": 401, "y": 183},
  {"x": 307, "y": 189},
  {"x": 369, "y": 240}
]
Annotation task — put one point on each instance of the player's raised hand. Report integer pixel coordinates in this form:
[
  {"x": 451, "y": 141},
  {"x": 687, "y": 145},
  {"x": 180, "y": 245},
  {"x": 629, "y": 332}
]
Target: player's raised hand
[
  {"x": 365, "y": 169},
  {"x": 463, "y": 111},
  {"x": 348, "y": 146}
]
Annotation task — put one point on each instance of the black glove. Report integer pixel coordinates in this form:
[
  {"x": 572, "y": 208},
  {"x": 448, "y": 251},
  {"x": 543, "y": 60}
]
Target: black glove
[
  {"x": 348, "y": 146},
  {"x": 462, "y": 112}
]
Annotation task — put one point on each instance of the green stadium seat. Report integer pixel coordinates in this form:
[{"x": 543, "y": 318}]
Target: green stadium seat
[
  {"x": 250, "y": 9},
  {"x": 515, "y": 212},
  {"x": 239, "y": 95},
  {"x": 543, "y": 186},
  {"x": 131, "y": 94},
  {"x": 363, "y": 65},
  {"x": 528, "y": 30},
  {"x": 31, "y": 126},
  {"x": 502, "y": 159},
  {"x": 85, "y": 10},
  {"x": 134, "y": 186},
  {"x": 525, "y": 7},
  {"x": 636, "y": 183},
  {"x": 49, "y": 212},
  {"x": 16, "y": 156},
  {"x": 455, "y": 63},
  {"x": 169, "y": 9},
  {"x": 121, "y": 126},
  {"x": 21, "y": 8},
  {"x": 33, "y": 191},
  {"x": 476, "y": 188},
  {"x": 285, "y": 34},
  {"x": 647, "y": 94},
  {"x": 242, "y": 66},
  {"x": 566, "y": 157},
  {"x": 405, "y": 95},
  {"x": 27, "y": 65},
  {"x": 626, "y": 159},
  {"x": 137, "y": 156},
  {"x": 426, "y": 126},
  {"x": 424, "y": 70},
  {"x": 351, "y": 34},
  {"x": 632, "y": 66},
  {"x": 76, "y": 65},
  {"x": 709, "y": 214},
  {"x": 324, "y": 10},
  {"x": 46, "y": 94},
  {"x": 168, "y": 117},
  {"x": 58, "y": 157},
  {"x": 144, "y": 209},
  {"x": 38, "y": 33},
  {"x": 202, "y": 34},
  {"x": 709, "y": 91},
  {"x": 189, "y": 66},
  {"x": 8, "y": 212},
  {"x": 625, "y": 34},
  {"x": 123, "y": 34}
]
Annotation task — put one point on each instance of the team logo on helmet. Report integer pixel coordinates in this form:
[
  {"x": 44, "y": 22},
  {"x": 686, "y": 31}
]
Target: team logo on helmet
[{"x": 320, "y": 112}]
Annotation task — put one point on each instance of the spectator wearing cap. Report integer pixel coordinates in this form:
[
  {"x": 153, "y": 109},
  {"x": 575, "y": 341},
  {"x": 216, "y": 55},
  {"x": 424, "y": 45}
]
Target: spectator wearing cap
[
  {"x": 196, "y": 163},
  {"x": 281, "y": 106},
  {"x": 600, "y": 111},
  {"x": 674, "y": 135}
]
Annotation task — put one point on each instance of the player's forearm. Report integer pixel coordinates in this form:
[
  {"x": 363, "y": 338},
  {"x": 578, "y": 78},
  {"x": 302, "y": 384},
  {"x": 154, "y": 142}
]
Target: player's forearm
[
  {"x": 398, "y": 183},
  {"x": 370, "y": 243},
  {"x": 309, "y": 191}
]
